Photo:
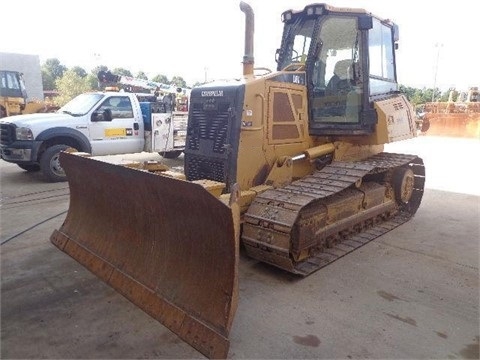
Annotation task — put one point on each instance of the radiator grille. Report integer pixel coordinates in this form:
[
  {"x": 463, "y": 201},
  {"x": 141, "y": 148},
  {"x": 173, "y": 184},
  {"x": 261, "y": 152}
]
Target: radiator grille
[
  {"x": 202, "y": 168},
  {"x": 7, "y": 134},
  {"x": 211, "y": 126}
]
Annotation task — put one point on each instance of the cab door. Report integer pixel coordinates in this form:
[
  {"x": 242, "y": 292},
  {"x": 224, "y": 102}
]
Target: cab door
[{"x": 121, "y": 134}]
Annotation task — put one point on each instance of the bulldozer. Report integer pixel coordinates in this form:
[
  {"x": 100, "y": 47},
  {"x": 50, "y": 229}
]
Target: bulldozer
[
  {"x": 287, "y": 167},
  {"x": 13, "y": 95},
  {"x": 14, "y": 99}
]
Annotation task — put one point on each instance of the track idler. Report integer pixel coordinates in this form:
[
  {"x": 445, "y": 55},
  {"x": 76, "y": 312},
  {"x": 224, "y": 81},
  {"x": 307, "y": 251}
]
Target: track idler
[{"x": 167, "y": 245}]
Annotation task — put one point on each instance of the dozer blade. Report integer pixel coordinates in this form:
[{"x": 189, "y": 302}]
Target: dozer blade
[
  {"x": 167, "y": 245},
  {"x": 464, "y": 125}
]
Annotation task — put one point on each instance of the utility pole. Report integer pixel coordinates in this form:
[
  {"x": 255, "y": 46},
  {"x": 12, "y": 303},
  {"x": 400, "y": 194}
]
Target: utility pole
[{"x": 438, "y": 46}]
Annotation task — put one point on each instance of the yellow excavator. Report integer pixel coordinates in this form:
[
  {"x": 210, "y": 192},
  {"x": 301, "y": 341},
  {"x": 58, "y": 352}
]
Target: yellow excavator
[{"x": 289, "y": 165}]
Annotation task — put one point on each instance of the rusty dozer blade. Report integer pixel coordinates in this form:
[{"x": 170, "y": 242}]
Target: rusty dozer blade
[
  {"x": 463, "y": 125},
  {"x": 167, "y": 245}
]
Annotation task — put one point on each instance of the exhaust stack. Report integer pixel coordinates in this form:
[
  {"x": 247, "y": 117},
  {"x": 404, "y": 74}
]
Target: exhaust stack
[{"x": 248, "y": 60}]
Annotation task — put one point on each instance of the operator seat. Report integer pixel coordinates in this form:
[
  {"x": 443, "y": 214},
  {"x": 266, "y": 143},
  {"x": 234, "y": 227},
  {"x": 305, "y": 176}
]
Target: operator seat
[{"x": 342, "y": 79}]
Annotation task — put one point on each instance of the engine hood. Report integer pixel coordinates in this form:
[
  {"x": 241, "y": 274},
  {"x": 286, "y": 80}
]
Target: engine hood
[{"x": 39, "y": 120}]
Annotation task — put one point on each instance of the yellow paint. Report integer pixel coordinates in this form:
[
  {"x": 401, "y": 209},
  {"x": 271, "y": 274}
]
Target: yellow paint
[{"x": 115, "y": 132}]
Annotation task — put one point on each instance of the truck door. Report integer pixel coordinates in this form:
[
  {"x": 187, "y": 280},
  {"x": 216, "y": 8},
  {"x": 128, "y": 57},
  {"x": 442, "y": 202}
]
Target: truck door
[{"x": 123, "y": 134}]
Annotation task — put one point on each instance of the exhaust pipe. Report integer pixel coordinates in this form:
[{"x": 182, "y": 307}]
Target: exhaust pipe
[{"x": 248, "y": 60}]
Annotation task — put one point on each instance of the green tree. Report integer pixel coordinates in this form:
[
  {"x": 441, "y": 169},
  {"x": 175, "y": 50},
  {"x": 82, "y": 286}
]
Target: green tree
[
  {"x": 71, "y": 85},
  {"x": 160, "y": 78},
  {"x": 421, "y": 96},
  {"x": 54, "y": 68},
  {"x": 98, "y": 68},
  {"x": 178, "y": 82},
  {"x": 93, "y": 76},
  {"x": 122, "y": 72},
  {"x": 79, "y": 71},
  {"x": 48, "y": 81},
  {"x": 142, "y": 75},
  {"x": 446, "y": 94},
  {"x": 93, "y": 82}
]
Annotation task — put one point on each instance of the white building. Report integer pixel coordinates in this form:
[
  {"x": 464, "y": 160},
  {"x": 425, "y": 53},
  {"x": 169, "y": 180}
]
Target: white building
[{"x": 29, "y": 65}]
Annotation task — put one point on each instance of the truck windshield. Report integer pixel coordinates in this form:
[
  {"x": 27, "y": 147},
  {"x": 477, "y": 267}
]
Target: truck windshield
[{"x": 81, "y": 104}]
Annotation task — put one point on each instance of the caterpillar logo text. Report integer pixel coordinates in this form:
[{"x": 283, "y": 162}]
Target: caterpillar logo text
[{"x": 212, "y": 93}]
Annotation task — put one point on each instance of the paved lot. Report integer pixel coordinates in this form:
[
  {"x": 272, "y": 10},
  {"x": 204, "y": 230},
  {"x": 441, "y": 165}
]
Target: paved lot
[{"x": 412, "y": 293}]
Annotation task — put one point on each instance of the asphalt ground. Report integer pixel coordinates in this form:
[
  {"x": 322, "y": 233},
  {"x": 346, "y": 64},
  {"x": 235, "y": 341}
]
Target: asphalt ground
[{"x": 412, "y": 293}]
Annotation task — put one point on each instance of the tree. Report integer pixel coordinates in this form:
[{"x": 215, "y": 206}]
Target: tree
[
  {"x": 93, "y": 76},
  {"x": 421, "y": 96},
  {"x": 71, "y": 85},
  {"x": 160, "y": 78},
  {"x": 93, "y": 82},
  {"x": 48, "y": 81},
  {"x": 54, "y": 68},
  {"x": 142, "y": 75},
  {"x": 79, "y": 71},
  {"x": 122, "y": 72},
  {"x": 99, "y": 68},
  {"x": 178, "y": 82},
  {"x": 51, "y": 71}
]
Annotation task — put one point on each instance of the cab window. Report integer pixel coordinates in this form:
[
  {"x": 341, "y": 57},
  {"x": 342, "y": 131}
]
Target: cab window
[
  {"x": 382, "y": 67},
  {"x": 120, "y": 106},
  {"x": 336, "y": 92}
]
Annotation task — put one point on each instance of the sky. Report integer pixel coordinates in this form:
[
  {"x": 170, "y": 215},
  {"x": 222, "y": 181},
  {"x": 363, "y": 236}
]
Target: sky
[{"x": 204, "y": 40}]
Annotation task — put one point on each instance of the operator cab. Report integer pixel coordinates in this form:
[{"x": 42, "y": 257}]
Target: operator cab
[{"x": 349, "y": 60}]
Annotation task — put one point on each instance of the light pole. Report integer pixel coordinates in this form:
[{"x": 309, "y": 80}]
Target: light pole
[{"x": 438, "y": 46}]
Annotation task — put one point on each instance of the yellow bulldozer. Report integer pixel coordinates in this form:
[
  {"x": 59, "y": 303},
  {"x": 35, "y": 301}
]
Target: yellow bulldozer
[
  {"x": 287, "y": 165},
  {"x": 13, "y": 97}
]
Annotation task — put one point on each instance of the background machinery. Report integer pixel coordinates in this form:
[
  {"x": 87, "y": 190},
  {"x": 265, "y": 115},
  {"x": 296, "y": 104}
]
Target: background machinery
[
  {"x": 162, "y": 98},
  {"x": 458, "y": 117},
  {"x": 289, "y": 165},
  {"x": 173, "y": 98},
  {"x": 13, "y": 96}
]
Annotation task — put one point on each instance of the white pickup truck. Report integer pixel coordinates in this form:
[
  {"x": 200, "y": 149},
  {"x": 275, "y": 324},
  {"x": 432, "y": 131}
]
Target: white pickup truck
[{"x": 99, "y": 123}]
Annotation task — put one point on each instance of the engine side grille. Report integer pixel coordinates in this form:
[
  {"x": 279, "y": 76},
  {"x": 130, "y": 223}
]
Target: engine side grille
[
  {"x": 7, "y": 134},
  {"x": 213, "y": 132},
  {"x": 211, "y": 126},
  {"x": 202, "y": 168}
]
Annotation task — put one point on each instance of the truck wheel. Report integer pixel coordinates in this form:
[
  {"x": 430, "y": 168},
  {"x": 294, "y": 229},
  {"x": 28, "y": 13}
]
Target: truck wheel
[
  {"x": 29, "y": 167},
  {"x": 50, "y": 163},
  {"x": 171, "y": 154}
]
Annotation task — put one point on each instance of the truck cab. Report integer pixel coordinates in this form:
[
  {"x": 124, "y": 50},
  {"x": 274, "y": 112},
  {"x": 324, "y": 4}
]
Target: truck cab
[{"x": 99, "y": 123}]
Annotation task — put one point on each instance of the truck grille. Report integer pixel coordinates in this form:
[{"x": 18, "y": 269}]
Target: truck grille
[{"x": 7, "y": 134}]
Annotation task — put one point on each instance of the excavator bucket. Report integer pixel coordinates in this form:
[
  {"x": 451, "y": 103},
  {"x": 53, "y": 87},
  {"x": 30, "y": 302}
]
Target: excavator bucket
[{"x": 167, "y": 245}]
